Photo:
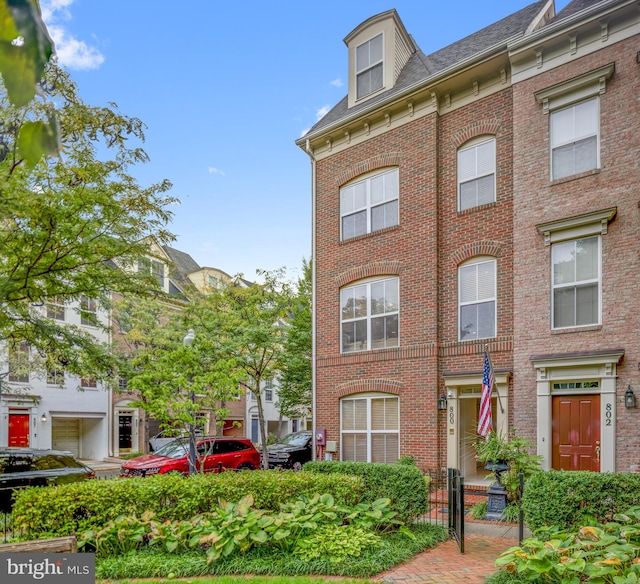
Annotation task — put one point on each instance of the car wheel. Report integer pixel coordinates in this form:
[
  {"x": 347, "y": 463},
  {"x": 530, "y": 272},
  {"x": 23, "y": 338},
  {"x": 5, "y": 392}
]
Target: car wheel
[
  {"x": 245, "y": 466},
  {"x": 297, "y": 466}
]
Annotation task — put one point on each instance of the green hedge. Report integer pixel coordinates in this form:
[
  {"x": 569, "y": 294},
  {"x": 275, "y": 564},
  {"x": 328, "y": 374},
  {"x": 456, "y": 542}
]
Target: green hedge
[
  {"x": 73, "y": 508},
  {"x": 565, "y": 499},
  {"x": 404, "y": 484}
]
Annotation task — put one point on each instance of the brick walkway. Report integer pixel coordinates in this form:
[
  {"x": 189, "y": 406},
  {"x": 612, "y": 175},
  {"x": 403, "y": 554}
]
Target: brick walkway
[{"x": 444, "y": 564}]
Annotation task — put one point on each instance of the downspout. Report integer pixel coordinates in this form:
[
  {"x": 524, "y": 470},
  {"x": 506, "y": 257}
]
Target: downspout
[{"x": 313, "y": 293}]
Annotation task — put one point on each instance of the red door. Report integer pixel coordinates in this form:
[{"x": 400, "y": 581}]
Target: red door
[
  {"x": 18, "y": 429},
  {"x": 576, "y": 433}
]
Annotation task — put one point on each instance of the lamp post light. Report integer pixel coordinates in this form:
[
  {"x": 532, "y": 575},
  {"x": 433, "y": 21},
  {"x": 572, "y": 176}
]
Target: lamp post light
[{"x": 187, "y": 342}]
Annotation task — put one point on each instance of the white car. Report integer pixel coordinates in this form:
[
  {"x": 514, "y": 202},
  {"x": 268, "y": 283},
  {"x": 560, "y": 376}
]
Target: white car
[{"x": 167, "y": 436}]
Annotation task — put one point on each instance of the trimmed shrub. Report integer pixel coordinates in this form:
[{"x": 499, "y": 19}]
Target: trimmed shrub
[
  {"x": 74, "y": 508},
  {"x": 404, "y": 484},
  {"x": 565, "y": 499}
]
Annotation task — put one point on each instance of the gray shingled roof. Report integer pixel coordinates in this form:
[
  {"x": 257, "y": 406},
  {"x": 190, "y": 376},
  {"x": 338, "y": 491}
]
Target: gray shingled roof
[
  {"x": 574, "y": 7},
  {"x": 421, "y": 67}
]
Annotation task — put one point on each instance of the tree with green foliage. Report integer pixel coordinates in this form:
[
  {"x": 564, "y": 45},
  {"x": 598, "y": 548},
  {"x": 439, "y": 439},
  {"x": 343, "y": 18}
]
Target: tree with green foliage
[
  {"x": 294, "y": 394},
  {"x": 250, "y": 324},
  {"x": 74, "y": 226},
  {"x": 25, "y": 51}
]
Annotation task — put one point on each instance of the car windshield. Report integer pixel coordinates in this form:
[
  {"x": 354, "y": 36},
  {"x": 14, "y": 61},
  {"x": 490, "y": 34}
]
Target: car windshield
[
  {"x": 174, "y": 449},
  {"x": 295, "y": 439}
]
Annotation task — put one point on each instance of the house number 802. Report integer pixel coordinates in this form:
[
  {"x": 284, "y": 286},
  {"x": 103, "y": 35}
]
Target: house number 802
[{"x": 607, "y": 415}]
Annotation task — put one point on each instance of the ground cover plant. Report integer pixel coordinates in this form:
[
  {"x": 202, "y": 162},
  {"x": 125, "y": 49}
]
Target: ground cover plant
[
  {"x": 600, "y": 553},
  {"x": 307, "y": 536},
  {"x": 257, "y": 580}
]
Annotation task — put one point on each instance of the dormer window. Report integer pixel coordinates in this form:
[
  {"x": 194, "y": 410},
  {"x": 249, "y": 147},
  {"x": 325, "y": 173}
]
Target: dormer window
[{"x": 369, "y": 62}]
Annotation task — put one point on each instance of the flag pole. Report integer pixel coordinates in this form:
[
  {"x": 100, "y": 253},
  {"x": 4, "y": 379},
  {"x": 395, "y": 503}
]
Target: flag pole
[{"x": 486, "y": 348}]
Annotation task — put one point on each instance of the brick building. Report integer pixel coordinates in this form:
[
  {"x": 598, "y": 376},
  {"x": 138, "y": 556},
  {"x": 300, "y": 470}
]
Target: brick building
[{"x": 436, "y": 223}]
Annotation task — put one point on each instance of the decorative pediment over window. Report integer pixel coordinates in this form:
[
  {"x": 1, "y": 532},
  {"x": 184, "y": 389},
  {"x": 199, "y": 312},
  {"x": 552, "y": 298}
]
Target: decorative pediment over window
[
  {"x": 576, "y": 89},
  {"x": 595, "y": 223}
]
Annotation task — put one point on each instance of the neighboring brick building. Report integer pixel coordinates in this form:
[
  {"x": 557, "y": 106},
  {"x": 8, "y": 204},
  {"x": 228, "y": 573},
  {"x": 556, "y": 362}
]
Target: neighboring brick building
[{"x": 429, "y": 222}]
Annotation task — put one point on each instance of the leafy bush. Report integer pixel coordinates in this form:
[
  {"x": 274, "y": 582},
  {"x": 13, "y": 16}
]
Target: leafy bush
[
  {"x": 404, "y": 484},
  {"x": 77, "y": 507},
  {"x": 598, "y": 553},
  {"x": 565, "y": 499},
  {"x": 312, "y": 528}
]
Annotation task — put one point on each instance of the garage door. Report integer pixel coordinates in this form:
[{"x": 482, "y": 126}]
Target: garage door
[{"x": 65, "y": 435}]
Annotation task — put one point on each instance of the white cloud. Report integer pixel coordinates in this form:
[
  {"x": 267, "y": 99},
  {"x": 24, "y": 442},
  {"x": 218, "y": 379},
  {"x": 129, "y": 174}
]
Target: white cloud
[
  {"x": 214, "y": 170},
  {"x": 336, "y": 82},
  {"x": 323, "y": 111},
  {"x": 71, "y": 52}
]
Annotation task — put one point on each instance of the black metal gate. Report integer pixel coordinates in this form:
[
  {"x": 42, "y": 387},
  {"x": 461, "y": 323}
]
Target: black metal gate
[{"x": 455, "y": 485}]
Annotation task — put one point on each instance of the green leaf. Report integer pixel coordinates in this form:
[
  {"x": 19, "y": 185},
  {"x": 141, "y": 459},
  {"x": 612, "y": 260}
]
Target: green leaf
[{"x": 37, "y": 139}]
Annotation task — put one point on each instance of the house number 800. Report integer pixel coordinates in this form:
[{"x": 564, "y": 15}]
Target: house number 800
[{"x": 451, "y": 420}]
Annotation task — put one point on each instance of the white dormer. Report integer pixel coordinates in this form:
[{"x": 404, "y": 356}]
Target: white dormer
[{"x": 378, "y": 50}]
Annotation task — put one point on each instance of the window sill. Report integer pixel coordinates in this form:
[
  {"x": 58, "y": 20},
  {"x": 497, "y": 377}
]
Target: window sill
[
  {"x": 477, "y": 208},
  {"x": 371, "y": 234},
  {"x": 577, "y": 329},
  {"x": 566, "y": 179}
]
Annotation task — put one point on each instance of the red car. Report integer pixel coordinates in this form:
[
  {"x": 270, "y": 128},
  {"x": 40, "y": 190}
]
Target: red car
[{"x": 214, "y": 453}]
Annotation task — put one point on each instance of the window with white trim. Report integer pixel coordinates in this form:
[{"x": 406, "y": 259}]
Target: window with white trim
[
  {"x": 369, "y": 315},
  {"x": 370, "y": 428},
  {"x": 55, "y": 376},
  {"x": 55, "y": 308},
  {"x": 369, "y": 204},
  {"x": 88, "y": 383},
  {"x": 19, "y": 362},
  {"x": 576, "y": 282},
  {"x": 477, "y": 173},
  {"x": 369, "y": 66},
  {"x": 477, "y": 299},
  {"x": 575, "y": 139},
  {"x": 88, "y": 311}
]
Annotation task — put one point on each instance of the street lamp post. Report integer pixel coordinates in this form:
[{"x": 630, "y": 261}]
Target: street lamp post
[{"x": 187, "y": 342}]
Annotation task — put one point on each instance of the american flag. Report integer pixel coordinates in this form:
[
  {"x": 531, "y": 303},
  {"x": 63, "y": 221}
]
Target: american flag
[{"x": 485, "y": 420}]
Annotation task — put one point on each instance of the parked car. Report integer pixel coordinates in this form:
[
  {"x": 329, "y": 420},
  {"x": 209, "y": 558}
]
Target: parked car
[
  {"x": 30, "y": 467},
  {"x": 166, "y": 436},
  {"x": 214, "y": 453},
  {"x": 292, "y": 451}
]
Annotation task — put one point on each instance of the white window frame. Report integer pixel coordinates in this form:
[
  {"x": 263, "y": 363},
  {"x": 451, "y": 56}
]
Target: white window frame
[
  {"x": 365, "y": 286},
  {"x": 575, "y": 138},
  {"x": 352, "y": 203},
  {"x": 571, "y": 92},
  {"x": 480, "y": 297},
  {"x": 576, "y": 284},
  {"x": 476, "y": 169},
  {"x": 363, "y": 428},
  {"x": 369, "y": 65},
  {"x": 56, "y": 308},
  {"x": 89, "y": 305}
]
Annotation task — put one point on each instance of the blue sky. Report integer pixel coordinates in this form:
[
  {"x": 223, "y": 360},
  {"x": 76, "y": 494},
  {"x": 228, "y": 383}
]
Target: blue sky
[{"x": 225, "y": 88}]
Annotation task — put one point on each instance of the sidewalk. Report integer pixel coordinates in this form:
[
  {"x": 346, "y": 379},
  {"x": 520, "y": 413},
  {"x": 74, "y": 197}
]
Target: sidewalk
[{"x": 444, "y": 564}]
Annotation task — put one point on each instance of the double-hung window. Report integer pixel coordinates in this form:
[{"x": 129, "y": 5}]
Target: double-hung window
[
  {"x": 55, "y": 308},
  {"x": 88, "y": 311},
  {"x": 574, "y": 139},
  {"x": 370, "y": 429},
  {"x": 477, "y": 299},
  {"x": 477, "y": 174},
  {"x": 369, "y": 66},
  {"x": 19, "y": 362},
  {"x": 576, "y": 282},
  {"x": 369, "y": 204},
  {"x": 369, "y": 315}
]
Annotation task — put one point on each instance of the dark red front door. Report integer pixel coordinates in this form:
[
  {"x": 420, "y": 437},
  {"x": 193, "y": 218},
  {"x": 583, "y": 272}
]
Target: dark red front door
[
  {"x": 576, "y": 433},
  {"x": 18, "y": 429}
]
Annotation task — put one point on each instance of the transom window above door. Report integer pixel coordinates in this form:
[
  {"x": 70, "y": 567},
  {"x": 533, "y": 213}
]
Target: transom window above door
[
  {"x": 369, "y": 204},
  {"x": 477, "y": 173},
  {"x": 369, "y": 315}
]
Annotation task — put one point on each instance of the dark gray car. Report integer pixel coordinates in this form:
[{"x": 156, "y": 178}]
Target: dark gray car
[
  {"x": 292, "y": 451},
  {"x": 31, "y": 467}
]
